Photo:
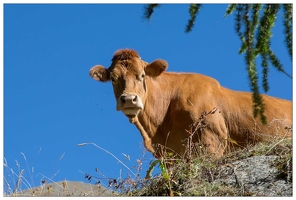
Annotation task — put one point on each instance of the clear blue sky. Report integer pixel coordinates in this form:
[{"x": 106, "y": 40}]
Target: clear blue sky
[{"x": 51, "y": 104}]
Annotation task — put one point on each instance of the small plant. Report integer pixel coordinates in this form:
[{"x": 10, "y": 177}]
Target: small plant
[
  {"x": 15, "y": 181},
  {"x": 23, "y": 179}
]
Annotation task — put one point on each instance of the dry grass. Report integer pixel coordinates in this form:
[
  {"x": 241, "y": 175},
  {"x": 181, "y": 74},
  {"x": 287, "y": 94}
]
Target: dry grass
[
  {"x": 191, "y": 175},
  {"x": 187, "y": 176},
  {"x": 195, "y": 177}
]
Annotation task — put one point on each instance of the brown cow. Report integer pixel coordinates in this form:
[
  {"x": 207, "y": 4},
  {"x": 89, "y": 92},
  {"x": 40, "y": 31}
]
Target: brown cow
[{"x": 167, "y": 107}]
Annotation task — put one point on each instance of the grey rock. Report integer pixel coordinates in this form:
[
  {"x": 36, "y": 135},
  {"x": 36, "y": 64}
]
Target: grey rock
[
  {"x": 256, "y": 176},
  {"x": 67, "y": 188}
]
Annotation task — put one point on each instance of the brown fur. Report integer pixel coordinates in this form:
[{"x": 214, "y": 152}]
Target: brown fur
[
  {"x": 166, "y": 107},
  {"x": 125, "y": 54}
]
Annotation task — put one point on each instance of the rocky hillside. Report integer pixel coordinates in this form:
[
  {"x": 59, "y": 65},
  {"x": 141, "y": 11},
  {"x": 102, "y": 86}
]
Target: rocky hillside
[{"x": 261, "y": 170}]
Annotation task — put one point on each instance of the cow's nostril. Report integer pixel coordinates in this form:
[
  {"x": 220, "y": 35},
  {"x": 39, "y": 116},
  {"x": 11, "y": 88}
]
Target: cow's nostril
[
  {"x": 122, "y": 99},
  {"x": 135, "y": 99}
]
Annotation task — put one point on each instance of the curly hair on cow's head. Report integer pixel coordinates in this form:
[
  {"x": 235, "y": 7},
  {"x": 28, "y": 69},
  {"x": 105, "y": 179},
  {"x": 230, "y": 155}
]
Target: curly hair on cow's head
[{"x": 125, "y": 54}]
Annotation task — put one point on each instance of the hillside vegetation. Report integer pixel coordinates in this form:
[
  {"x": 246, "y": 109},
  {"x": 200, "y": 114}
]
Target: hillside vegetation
[
  {"x": 261, "y": 170},
  {"x": 264, "y": 169}
]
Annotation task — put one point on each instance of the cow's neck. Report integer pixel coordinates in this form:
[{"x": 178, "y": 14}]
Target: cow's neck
[
  {"x": 156, "y": 105},
  {"x": 147, "y": 139}
]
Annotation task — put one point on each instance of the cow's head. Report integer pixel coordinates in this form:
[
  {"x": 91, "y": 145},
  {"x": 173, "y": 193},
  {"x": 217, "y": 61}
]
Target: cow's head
[{"x": 129, "y": 75}]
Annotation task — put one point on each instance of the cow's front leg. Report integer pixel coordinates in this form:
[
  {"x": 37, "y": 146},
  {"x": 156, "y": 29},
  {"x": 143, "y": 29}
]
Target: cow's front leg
[{"x": 214, "y": 135}]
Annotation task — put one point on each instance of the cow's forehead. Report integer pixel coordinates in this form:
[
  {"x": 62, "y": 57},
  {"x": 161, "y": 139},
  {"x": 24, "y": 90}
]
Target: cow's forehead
[
  {"x": 126, "y": 61},
  {"x": 121, "y": 67}
]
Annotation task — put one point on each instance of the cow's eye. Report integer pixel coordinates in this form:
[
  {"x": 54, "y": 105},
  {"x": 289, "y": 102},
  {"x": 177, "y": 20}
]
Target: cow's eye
[
  {"x": 113, "y": 79},
  {"x": 142, "y": 76}
]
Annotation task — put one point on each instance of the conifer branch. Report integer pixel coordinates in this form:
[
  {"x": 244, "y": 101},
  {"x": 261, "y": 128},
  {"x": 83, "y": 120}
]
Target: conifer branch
[
  {"x": 149, "y": 9},
  {"x": 230, "y": 9},
  {"x": 276, "y": 63},
  {"x": 265, "y": 66},
  {"x": 255, "y": 16},
  {"x": 193, "y": 11},
  {"x": 258, "y": 106},
  {"x": 238, "y": 27},
  {"x": 288, "y": 27}
]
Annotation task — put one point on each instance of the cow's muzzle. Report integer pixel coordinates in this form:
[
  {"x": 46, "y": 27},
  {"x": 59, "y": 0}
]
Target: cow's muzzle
[{"x": 130, "y": 104}]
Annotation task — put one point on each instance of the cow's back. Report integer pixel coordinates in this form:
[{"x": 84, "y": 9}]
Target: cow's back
[{"x": 244, "y": 128}]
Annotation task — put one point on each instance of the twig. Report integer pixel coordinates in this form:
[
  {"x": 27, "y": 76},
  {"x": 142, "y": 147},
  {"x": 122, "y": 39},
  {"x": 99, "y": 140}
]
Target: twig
[
  {"x": 31, "y": 177},
  {"x": 19, "y": 181},
  {"x": 276, "y": 144},
  {"x": 83, "y": 144},
  {"x": 49, "y": 179}
]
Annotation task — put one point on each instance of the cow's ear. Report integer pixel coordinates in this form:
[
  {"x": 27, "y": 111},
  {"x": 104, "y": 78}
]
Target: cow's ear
[
  {"x": 100, "y": 73},
  {"x": 156, "y": 68}
]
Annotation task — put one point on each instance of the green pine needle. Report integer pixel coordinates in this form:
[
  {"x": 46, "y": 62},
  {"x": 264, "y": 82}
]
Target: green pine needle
[
  {"x": 193, "y": 11},
  {"x": 149, "y": 9}
]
